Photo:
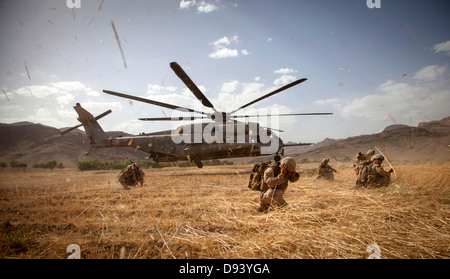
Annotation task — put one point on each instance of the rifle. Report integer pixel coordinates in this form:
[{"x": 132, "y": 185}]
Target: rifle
[{"x": 387, "y": 160}]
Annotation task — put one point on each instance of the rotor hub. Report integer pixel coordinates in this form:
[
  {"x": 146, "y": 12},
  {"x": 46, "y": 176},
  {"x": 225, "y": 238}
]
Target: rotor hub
[{"x": 220, "y": 116}]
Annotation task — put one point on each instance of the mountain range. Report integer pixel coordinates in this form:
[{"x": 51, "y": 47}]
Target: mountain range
[{"x": 31, "y": 143}]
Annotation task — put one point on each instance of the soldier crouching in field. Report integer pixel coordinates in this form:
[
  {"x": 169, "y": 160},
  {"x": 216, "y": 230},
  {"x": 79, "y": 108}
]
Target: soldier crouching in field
[
  {"x": 275, "y": 182},
  {"x": 131, "y": 176},
  {"x": 377, "y": 176},
  {"x": 360, "y": 166},
  {"x": 373, "y": 174},
  {"x": 325, "y": 171}
]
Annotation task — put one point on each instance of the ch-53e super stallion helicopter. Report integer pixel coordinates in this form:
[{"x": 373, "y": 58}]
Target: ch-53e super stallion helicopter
[{"x": 223, "y": 137}]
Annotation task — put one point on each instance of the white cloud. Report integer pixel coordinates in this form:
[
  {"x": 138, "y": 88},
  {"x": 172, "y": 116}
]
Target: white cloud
[
  {"x": 38, "y": 91},
  {"x": 51, "y": 104},
  {"x": 56, "y": 88},
  {"x": 325, "y": 101},
  {"x": 395, "y": 97},
  {"x": 284, "y": 71},
  {"x": 221, "y": 49},
  {"x": 100, "y": 107},
  {"x": 432, "y": 72},
  {"x": 47, "y": 116},
  {"x": 171, "y": 88},
  {"x": 185, "y": 99},
  {"x": 202, "y": 6},
  {"x": 186, "y": 4},
  {"x": 158, "y": 89},
  {"x": 6, "y": 95},
  {"x": 402, "y": 100},
  {"x": 206, "y": 7},
  {"x": 187, "y": 91},
  {"x": 442, "y": 47},
  {"x": 224, "y": 53},
  {"x": 230, "y": 86},
  {"x": 228, "y": 100},
  {"x": 225, "y": 41},
  {"x": 133, "y": 126},
  {"x": 66, "y": 113},
  {"x": 65, "y": 99},
  {"x": 252, "y": 88},
  {"x": 284, "y": 79}
]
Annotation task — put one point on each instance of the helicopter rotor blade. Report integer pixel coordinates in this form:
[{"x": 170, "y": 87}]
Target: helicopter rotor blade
[
  {"x": 180, "y": 118},
  {"x": 272, "y": 93},
  {"x": 70, "y": 129},
  {"x": 282, "y": 114},
  {"x": 165, "y": 105},
  {"x": 190, "y": 84},
  {"x": 79, "y": 125},
  {"x": 273, "y": 129}
]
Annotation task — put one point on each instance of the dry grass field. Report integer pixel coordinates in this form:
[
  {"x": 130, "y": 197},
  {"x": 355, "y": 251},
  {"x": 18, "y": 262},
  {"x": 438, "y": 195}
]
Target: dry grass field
[{"x": 210, "y": 213}]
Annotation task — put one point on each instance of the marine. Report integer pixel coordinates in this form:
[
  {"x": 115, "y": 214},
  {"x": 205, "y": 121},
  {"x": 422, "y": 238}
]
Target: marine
[
  {"x": 275, "y": 181},
  {"x": 373, "y": 174},
  {"x": 131, "y": 176},
  {"x": 325, "y": 171},
  {"x": 377, "y": 176},
  {"x": 360, "y": 164}
]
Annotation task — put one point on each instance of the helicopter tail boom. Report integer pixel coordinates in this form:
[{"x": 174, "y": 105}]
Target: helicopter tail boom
[{"x": 97, "y": 137}]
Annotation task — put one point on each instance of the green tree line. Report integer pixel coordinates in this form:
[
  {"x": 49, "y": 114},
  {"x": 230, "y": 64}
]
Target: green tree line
[
  {"x": 49, "y": 165},
  {"x": 13, "y": 164}
]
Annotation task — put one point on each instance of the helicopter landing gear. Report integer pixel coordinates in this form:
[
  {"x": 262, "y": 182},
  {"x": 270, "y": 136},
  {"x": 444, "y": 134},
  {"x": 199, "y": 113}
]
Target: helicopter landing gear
[
  {"x": 277, "y": 158},
  {"x": 198, "y": 163}
]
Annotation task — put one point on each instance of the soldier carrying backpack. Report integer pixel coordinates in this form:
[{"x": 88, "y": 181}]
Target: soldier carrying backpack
[
  {"x": 373, "y": 174},
  {"x": 271, "y": 179}
]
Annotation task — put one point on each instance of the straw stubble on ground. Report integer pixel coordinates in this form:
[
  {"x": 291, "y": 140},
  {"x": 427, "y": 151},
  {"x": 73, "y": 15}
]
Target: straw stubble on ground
[{"x": 210, "y": 213}]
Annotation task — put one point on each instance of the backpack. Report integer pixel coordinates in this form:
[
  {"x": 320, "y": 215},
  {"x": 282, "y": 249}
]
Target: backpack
[
  {"x": 364, "y": 175},
  {"x": 257, "y": 174}
]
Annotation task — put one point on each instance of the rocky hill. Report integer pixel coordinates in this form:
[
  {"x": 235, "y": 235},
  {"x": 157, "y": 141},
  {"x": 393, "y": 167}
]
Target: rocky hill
[
  {"x": 35, "y": 143},
  {"x": 429, "y": 141}
]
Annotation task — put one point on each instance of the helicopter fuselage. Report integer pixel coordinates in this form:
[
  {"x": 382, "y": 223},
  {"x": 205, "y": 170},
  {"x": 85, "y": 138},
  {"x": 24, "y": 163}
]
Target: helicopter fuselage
[
  {"x": 224, "y": 137},
  {"x": 181, "y": 145}
]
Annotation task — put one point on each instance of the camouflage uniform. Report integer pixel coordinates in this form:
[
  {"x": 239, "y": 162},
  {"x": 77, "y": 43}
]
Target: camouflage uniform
[
  {"x": 373, "y": 175},
  {"x": 377, "y": 176},
  {"x": 138, "y": 174},
  {"x": 360, "y": 166},
  {"x": 274, "y": 184},
  {"x": 325, "y": 171},
  {"x": 131, "y": 176}
]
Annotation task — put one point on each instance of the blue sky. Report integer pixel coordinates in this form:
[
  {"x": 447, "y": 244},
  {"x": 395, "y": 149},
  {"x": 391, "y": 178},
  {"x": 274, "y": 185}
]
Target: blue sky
[{"x": 370, "y": 67}]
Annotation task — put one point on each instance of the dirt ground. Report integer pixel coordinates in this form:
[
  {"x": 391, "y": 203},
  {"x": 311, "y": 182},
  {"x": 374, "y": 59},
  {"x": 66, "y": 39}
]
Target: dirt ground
[{"x": 191, "y": 213}]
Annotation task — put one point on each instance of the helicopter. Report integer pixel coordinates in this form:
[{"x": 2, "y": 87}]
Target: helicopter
[{"x": 223, "y": 136}]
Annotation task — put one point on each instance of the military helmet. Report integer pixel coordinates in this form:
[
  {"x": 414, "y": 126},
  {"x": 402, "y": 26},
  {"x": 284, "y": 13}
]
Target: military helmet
[
  {"x": 290, "y": 163},
  {"x": 377, "y": 156},
  {"x": 325, "y": 160},
  {"x": 370, "y": 151}
]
